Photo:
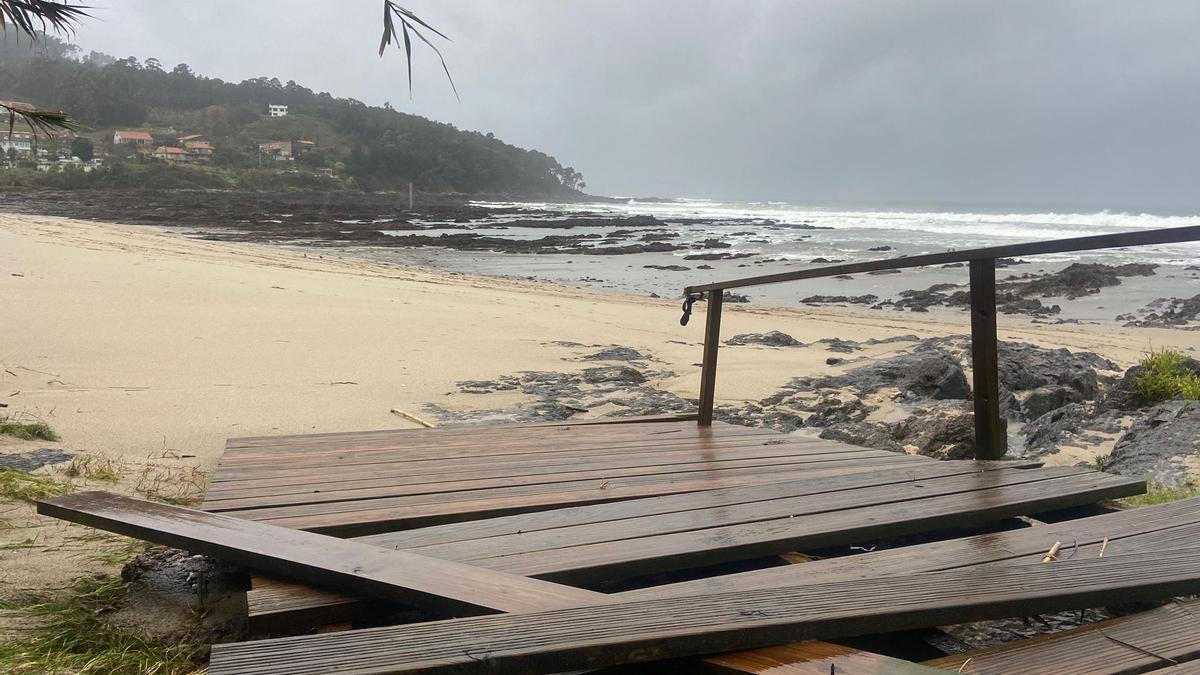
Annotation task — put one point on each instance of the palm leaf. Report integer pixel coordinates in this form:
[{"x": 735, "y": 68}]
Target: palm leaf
[
  {"x": 33, "y": 16},
  {"x": 408, "y": 23},
  {"x": 39, "y": 121}
]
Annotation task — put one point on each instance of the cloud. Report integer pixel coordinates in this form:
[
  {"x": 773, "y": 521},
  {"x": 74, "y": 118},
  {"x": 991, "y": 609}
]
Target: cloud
[{"x": 1022, "y": 103}]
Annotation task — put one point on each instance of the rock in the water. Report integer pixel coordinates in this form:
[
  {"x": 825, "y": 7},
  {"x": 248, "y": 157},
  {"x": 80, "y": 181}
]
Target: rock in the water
[
  {"x": 1158, "y": 443},
  {"x": 771, "y": 339},
  {"x": 622, "y": 374},
  {"x": 849, "y": 299}
]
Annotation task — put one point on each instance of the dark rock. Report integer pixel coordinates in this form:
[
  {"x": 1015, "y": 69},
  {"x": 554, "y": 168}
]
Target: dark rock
[
  {"x": 669, "y": 268},
  {"x": 1170, "y": 312},
  {"x": 1044, "y": 434},
  {"x": 834, "y": 360},
  {"x": 837, "y": 410},
  {"x": 881, "y": 248},
  {"x": 1124, "y": 395},
  {"x": 713, "y": 243},
  {"x": 849, "y": 299},
  {"x": 932, "y": 373},
  {"x": 485, "y": 386},
  {"x": 729, "y": 296},
  {"x": 34, "y": 459},
  {"x": 617, "y": 353},
  {"x": 839, "y": 345},
  {"x": 896, "y": 338},
  {"x": 718, "y": 256},
  {"x": 1078, "y": 279},
  {"x": 771, "y": 339},
  {"x": 1044, "y": 399},
  {"x": 622, "y": 374},
  {"x": 1024, "y": 367},
  {"x": 1009, "y": 262},
  {"x": 844, "y": 277},
  {"x": 942, "y": 433},
  {"x": 1157, "y": 443}
]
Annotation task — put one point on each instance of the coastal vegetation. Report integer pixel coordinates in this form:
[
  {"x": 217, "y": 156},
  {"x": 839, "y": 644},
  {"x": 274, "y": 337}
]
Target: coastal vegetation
[
  {"x": 69, "y": 633},
  {"x": 27, "y": 431},
  {"x": 1164, "y": 376},
  {"x": 357, "y": 146}
]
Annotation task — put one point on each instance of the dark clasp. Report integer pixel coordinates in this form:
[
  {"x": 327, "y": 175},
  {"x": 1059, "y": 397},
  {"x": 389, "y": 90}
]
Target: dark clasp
[{"x": 689, "y": 300}]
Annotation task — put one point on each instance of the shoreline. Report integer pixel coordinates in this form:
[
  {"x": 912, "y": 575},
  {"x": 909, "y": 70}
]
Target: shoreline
[{"x": 145, "y": 349}]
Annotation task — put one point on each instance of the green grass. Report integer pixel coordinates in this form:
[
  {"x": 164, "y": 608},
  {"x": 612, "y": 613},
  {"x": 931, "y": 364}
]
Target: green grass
[
  {"x": 70, "y": 635},
  {"x": 28, "y": 487},
  {"x": 1158, "y": 494},
  {"x": 1164, "y": 377},
  {"x": 27, "y": 430}
]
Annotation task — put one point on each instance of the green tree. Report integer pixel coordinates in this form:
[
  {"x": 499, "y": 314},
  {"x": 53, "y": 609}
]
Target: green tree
[{"x": 82, "y": 148}]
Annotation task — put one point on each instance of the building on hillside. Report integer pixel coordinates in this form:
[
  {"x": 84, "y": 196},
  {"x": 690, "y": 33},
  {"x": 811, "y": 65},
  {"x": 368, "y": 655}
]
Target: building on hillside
[
  {"x": 277, "y": 150},
  {"x": 194, "y": 138},
  {"x": 139, "y": 139},
  {"x": 277, "y": 110},
  {"x": 325, "y": 171},
  {"x": 172, "y": 154},
  {"x": 303, "y": 147},
  {"x": 199, "y": 149},
  {"x": 18, "y": 141}
]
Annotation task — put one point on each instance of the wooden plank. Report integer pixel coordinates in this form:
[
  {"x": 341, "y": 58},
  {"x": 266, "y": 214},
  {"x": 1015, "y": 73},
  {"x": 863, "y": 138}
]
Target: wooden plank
[
  {"x": 1132, "y": 531},
  {"x": 811, "y": 658},
  {"x": 390, "y": 513},
  {"x": 373, "y": 571},
  {"x": 612, "y": 557},
  {"x": 708, "y": 364},
  {"x": 1136, "y": 643},
  {"x": 991, "y": 438},
  {"x": 1140, "y": 238},
  {"x": 337, "y": 488},
  {"x": 590, "y": 637},
  {"x": 495, "y": 447}
]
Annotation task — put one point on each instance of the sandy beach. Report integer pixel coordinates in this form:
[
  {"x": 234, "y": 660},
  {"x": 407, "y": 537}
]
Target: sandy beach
[{"x": 146, "y": 349}]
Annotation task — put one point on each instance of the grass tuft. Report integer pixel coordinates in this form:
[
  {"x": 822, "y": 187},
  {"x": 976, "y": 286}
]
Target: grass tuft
[
  {"x": 1164, "y": 377},
  {"x": 1159, "y": 494},
  {"x": 27, "y": 431},
  {"x": 93, "y": 468},
  {"x": 1102, "y": 462},
  {"x": 70, "y": 635},
  {"x": 28, "y": 487}
]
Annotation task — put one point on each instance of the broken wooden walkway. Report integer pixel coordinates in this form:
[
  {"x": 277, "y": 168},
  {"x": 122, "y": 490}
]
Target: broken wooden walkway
[{"x": 610, "y": 544}]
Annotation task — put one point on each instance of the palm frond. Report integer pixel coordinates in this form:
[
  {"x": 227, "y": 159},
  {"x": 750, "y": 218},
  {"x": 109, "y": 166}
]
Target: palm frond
[
  {"x": 45, "y": 122},
  {"x": 408, "y": 23},
  {"x": 33, "y": 16}
]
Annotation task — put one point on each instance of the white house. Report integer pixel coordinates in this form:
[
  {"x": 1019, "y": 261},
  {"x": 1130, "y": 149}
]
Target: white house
[
  {"x": 21, "y": 142},
  {"x": 135, "y": 138},
  {"x": 277, "y": 110}
]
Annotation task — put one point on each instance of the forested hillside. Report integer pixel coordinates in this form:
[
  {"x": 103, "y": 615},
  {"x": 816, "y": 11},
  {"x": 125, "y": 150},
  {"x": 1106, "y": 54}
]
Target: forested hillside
[{"x": 380, "y": 148}]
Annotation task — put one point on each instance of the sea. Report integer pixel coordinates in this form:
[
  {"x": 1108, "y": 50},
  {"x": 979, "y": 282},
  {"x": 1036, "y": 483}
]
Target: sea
[{"x": 776, "y": 237}]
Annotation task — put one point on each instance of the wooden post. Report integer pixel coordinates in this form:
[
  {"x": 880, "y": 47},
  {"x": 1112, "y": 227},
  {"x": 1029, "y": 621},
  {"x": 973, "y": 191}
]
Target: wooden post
[
  {"x": 708, "y": 367},
  {"x": 991, "y": 440}
]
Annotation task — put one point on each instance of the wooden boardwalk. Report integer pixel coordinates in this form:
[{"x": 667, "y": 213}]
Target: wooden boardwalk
[{"x": 536, "y": 521}]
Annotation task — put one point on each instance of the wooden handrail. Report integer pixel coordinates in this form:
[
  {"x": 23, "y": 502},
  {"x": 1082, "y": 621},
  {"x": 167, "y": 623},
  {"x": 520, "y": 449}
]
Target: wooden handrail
[{"x": 990, "y": 435}]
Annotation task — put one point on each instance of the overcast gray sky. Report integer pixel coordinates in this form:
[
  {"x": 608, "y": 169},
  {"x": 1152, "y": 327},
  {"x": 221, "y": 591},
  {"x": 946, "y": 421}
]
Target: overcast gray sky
[{"x": 1038, "y": 103}]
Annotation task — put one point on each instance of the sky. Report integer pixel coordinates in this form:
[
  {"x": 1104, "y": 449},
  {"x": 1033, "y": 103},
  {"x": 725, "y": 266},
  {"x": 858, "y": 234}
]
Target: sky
[{"x": 1021, "y": 104}]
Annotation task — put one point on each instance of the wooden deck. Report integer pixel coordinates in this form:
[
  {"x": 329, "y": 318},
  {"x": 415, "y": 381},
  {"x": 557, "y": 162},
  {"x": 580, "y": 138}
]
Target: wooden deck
[{"x": 546, "y": 523}]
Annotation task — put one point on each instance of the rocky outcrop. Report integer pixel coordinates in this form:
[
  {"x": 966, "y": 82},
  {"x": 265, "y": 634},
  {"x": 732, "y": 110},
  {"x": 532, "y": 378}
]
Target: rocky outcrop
[
  {"x": 770, "y": 339},
  {"x": 1158, "y": 443},
  {"x": 1124, "y": 394}
]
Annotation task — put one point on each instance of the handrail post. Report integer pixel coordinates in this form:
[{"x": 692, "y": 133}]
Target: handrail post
[
  {"x": 708, "y": 365},
  {"x": 990, "y": 437}
]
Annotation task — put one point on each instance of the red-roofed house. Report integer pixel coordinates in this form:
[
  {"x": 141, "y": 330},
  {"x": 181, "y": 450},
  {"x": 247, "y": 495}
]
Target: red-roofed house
[
  {"x": 194, "y": 138},
  {"x": 139, "y": 138},
  {"x": 172, "y": 154},
  {"x": 200, "y": 149}
]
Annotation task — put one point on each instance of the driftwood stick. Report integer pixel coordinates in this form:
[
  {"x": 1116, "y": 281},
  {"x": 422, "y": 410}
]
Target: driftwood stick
[{"x": 413, "y": 418}]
